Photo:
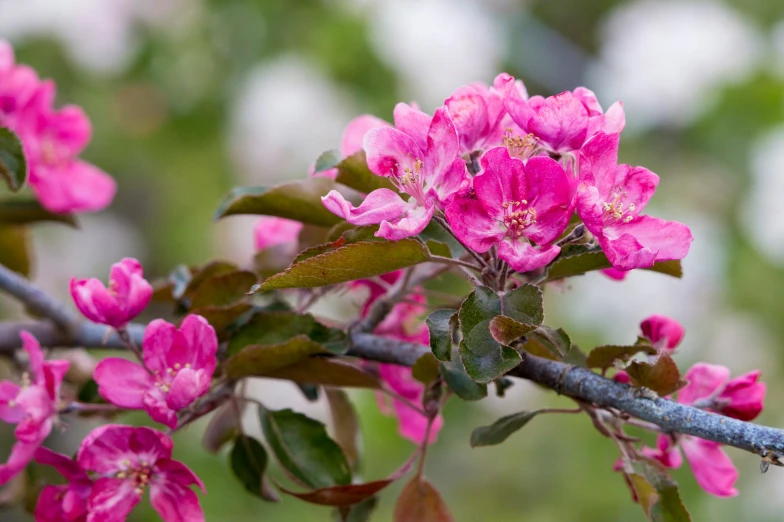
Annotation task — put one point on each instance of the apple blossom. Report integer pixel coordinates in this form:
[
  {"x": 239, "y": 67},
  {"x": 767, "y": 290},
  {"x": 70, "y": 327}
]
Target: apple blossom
[
  {"x": 351, "y": 142},
  {"x": 270, "y": 231},
  {"x": 178, "y": 368},
  {"x": 128, "y": 294},
  {"x": 516, "y": 204},
  {"x": 664, "y": 333},
  {"x": 67, "y": 502}
]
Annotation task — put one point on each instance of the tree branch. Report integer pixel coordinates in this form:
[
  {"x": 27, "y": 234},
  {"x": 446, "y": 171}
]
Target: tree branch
[{"x": 35, "y": 299}]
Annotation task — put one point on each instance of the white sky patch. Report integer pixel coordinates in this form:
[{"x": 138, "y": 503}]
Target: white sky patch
[{"x": 665, "y": 59}]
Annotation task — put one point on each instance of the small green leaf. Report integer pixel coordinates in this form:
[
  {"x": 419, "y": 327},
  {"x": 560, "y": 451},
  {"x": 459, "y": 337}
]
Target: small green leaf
[
  {"x": 326, "y": 372},
  {"x": 506, "y": 330},
  {"x": 361, "y": 512},
  {"x": 457, "y": 379},
  {"x": 501, "y": 429},
  {"x": 658, "y": 493},
  {"x": 248, "y": 461},
  {"x": 662, "y": 376},
  {"x": 434, "y": 231},
  {"x": 352, "y": 235},
  {"x": 193, "y": 277},
  {"x": 485, "y": 359},
  {"x": 88, "y": 393},
  {"x": 437, "y": 248},
  {"x": 420, "y": 502},
  {"x": 328, "y": 160},
  {"x": 345, "y": 425},
  {"x": 22, "y": 212},
  {"x": 605, "y": 356},
  {"x": 671, "y": 268},
  {"x": 297, "y": 200},
  {"x": 261, "y": 360},
  {"x": 274, "y": 327},
  {"x": 576, "y": 357},
  {"x": 222, "y": 290},
  {"x": 524, "y": 304},
  {"x": 425, "y": 369},
  {"x": 354, "y": 172},
  {"x": 355, "y": 261},
  {"x": 13, "y": 164},
  {"x": 501, "y": 385},
  {"x": 303, "y": 448},
  {"x": 15, "y": 249},
  {"x": 222, "y": 318},
  {"x": 439, "y": 322},
  {"x": 481, "y": 305},
  {"x": 578, "y": 260},
  {"x": 556, "y": 341}
]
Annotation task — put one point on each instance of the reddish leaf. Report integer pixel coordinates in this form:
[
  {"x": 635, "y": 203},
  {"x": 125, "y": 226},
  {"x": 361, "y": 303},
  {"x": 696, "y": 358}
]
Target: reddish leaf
[
  {"x": 662, "y": 376},
  {"x": 340, "y": 495},
  {"x": 327, "y": 372},
  {"x": 420, "y": 502},
  {"x": 605, "y": 356},
  {"x": 505, "y": 329}
]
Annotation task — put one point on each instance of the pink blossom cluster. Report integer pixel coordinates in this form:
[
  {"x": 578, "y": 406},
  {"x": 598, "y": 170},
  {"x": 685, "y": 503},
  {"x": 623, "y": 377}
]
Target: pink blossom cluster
[
  {"x": 508, "y": 171},
  {"x": 52, "y": 140}
]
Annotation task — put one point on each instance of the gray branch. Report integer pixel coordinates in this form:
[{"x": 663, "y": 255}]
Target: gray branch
[{"x": 35, "y": 299}]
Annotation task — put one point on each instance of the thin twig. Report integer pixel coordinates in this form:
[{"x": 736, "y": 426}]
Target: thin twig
[
  {"x": 441, "y": 221},
  {"x": 455, "y": 261}
]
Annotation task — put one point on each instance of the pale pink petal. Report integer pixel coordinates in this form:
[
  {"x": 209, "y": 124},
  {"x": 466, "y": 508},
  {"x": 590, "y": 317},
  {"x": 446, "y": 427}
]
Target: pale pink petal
[
  {"x": 745, "y": 396},
  {"x": 614, "y": 120},
  {"x": 644, "y": 240},
  {"x": 175, "y": 503},
  {"x": 662, "y": 331},
  {"x": 34, "y": 354},
  {"x": 21, "y": 455},
  {"x": 112, "y": 500},
  {"x": 598, "y": 162},
  {"x": 159, "y": 337},
  {"x": 413, "y": 122},
  {"x": 186, "y": 387},
  {"x": 712, "y": 468},
  {"x": 639, "y": 185},
  {"x": 469, "y": 113},
  {"x": 703, "y": 379},
  {"x": 76, "y": 186},
  {"x": 122, "y": 382},
  {"x": 39, "y": 408},
  {"x": 271, "y": 231},
  {"x": 355, "y": 131},
  {"x": 10, "y": 412},
  {"x": 471, "y": 224},
  {"x": 156, "y": 407},
  {"x": 452, "y": 181},
  {"x": 412, "y": 223},
  {"x": 523, "y": 257},
  {"x": 380, "y": 205},
  {"x": 589, "y": 202},
  {"x": 390, "y": 152},
  {"x": 175, "y": 472},
  {"x": 589, "y": 100}
]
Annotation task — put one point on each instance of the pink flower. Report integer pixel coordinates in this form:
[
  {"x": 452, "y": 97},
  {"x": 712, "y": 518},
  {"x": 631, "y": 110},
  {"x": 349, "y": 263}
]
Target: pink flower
[
  {"x": 664, "y": 333},
  {"x": 270, "y": 231},
  {"x": 128, "y": 294},
  {"x": 127, "y": 460},
  {"x": 32, "y": 406},
  {"x": 430, "y": 176},
  {"x": 411, "y": 423},
  {"x": 178, "y": 368},
  {"x": 616, "y": 275},
  {"x": 351, "y": 141},
  {"x": 564, "y": 122},
  {"x": 516, "y": 203},
  {"x": 609, "y": 200},
  {"x": 17, "y": 85},
  {"x": 67, "y": 502}
]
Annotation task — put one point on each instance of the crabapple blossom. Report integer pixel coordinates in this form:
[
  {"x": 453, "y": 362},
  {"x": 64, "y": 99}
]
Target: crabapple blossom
[
  {"x": 430, "y": 176},
  {"x": 609, "y": 200},
  {"x": 270, "y": 231},
  {"x": 178, "y": 368},
  {"x": 64, "y": 502},
  {"x": 128, "y": 460},
  {"x": 664, "y": 333},
  {"x": 125, "y": 298},
  {"x": 353, "y": 136},
  {"x": 31, "y": 406},
  {"x": 516, "y": 204}
]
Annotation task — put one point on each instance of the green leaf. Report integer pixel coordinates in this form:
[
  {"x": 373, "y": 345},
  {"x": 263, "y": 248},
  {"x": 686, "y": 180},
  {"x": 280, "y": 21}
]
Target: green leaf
[
  {"x": 274, "y": 327},
  {"x": 303, "y": 448},
  {"x": 261, "y": 360},
  {"x": 658, "y": 493},
  {"x": 439, "y": 322},
  {"x": 345, "y": 425},
  {"x": 361, "y": 512},
  {"x": 223, "y": 318},
  {"x": 326, "y": 372},
  {"x": 223, "y": 290},
  {"x": 457, "y": 379},
  {"x": 506, "y": 330},
  {"x": 501, "y": 429},
  {"x": 486, "y": 359},
  {"x": 297, "y": 200},
  {"x": 671, "y": 268},
  {"x": 354, "y": 172},
  {"x": 437, "y": 248},
  {"x": 355, "y": 261},
  {"x": 662, "y": 376},
  {"x": 248, "y": 460},
  {"x": 605, "y": 356},
  {"x": 481, "y": 305},
  {"x": 352, "y": 235},
  {"x": 579, "y": 260},
  {"x": 22, "y": 212},
  {"x": 524, "y": 304},
  {"x": 555, "y": 341},
  {"x": 576, "y": 356},
  {"x": 15, "y": 249},
  {"x": 425, "y": 369},
  {"x": 13, "y": 164},
  {"x": 221, "y": 428},
  {"x": 328, "y": 160},
  {"x": 88, "y": 393},
  {"x": 420, "y": 502},
  {"x": 191, "y": 278}
]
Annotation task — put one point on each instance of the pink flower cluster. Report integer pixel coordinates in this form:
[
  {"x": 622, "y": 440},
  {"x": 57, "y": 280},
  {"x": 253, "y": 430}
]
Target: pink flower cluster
[
  {"x": 508, "y": 171},
  {"x": 52, "y": 140}
]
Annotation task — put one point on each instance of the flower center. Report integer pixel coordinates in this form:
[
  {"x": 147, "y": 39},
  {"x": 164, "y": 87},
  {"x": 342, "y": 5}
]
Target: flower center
[
  {"x": 411, "y": 182},
  {"x": 516, "y": 217},
  {"x": 139, "y": 475},
  {"x": 614, "y": 209},
  {"x": 164, "y": 381},
  {"x": 521, "y": 147}
]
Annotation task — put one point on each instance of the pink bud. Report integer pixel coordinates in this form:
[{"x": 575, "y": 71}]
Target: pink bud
[
  {"x": 664, "y": 333},
  {"x": 128, "y": 294},
  {"x": 272, "y": 231},
  {"x": 743, "y": 397}
]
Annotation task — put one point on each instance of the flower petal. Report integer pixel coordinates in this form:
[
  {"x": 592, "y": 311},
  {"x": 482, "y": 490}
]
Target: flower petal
[
  {"x": 471, "y": 224},
  {"x": 67, "y": 466},
  {"x": 501, "y": 181},
  {"x": 712, "y": 468},
  {"x": 159, "y": 337},
  {"x": 199, "y": 347},
  {"x": 523, "y": 257},
  {"x": 380, "y": 205},
  {"x": 175, "y": 472},
  {"x": 662, "y": 331},
  {"x": 745, "y": 395},
  {"x": 122, "y": 382},
  {"x": 175, "y": 503},
  {"x": 413, "y": 122},
  {"x": 469, "y": 113},
  {"x": 21, "y": 455},
  {"x": 645, "y": 240},
  {"x": 354, "y": 133},
  {"x": 76, "y": 186},
  {"x": 8, "y": 413},
  {"x": 703, "y": 379},
  {"x": 549, "y": 194},
  {"x": 391, "y": 152},
  {"x": 112, "y": 500},
  {"x": 443, "y": 146},
  {"x": 410, "y": 224},
  {"x": 186, "y": 387}
]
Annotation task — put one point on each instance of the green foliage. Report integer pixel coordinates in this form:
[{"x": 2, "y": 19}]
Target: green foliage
[
  {"x": 425, "y": 369},
  {"x": 223, "y": 289},
  {"x": 13, "y": 164},
  {"x": 661, "y": 376},
  {"x": 14, "y": 249},
  {"x": 501, "y": 429},
  {"x": 248, "y": 461},
  {"x": 266, "y": 328},
  {"x": 455, "y": 376},
  {"x": 657, "y": 493},
  {"x": 326, "y": 371},
  {"x": 260, "y": 360},
  {"x": 524, "y": 304},
  {"x": 328, "y": 159},
  {"x": 345, "y": 425},
  {"x": 486, "y": 359},
  {"x": 605, "y": 356},
  {"x": 578, "y": 260},
  {"x": 303, "y": 448},
  {"x": 23, "y": 212},
  {"x": 440, "y": 323},
  {"x": 353, "y": 172}
]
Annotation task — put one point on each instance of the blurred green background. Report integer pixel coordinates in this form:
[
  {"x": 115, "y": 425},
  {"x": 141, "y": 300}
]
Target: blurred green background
[{"x": 189, "y": 98}]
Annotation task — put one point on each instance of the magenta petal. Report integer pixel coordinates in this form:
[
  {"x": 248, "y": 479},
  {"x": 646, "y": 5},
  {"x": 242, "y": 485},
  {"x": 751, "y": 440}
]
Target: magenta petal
[
  {"x": 645, "y": 240},
  {"x": 380, "y": 205},
  {"x": 598, "y": 162},
  {"x": 452, "y": 181},
  {"x": 122, "y": 382},
  {"x": 175, "y": 503},
  {"x": 560, "y": 121},
  {"x": 104, "y": 448},
  {"x": 199, "y": 347},
  {"x": 74, "y": 187},
  {"x": 712, "y": 468},
  {"x": 175, "y": 472},
  {"x": 413, "y": 425},
  {"x": 471, "y": 224},
  {"x": 639, "y": 185},
  {"x": 469, "y": 113},
  {"x": 157, "y": 408},
  {"x": 49, "y": 507},
  {"x": 271, "y": 231},
  {"x": 703, "y": 379},
  {"x": 501, "y": 180},
  {"x": 8, "y": 393},
  {"x": 412, "y": 223},
  {"x": 83, "y": 292},
  {"x": 523, "y": 257},
  {"x": 112, "y": 500},
  {"x": 35, "y": 354},
  {"x": 443, "y": 146},
  {"x": 21, "y": 455},
  {"x": 662, "y": 331},
  {"x": 665, "y": 452},
  {"x": 67, "y": 467},
  {"x": 413, "y": 122},
  {"x": 390, "y": 152},
  {"x": 549, "y": 194},
  {"x": 186, "y": 387},
  {"x": 355, "y": 131},
  {"x": 745, "y": 396},
  {"x": 589, "y": 101},
  {"x": 159, "y": 337}
]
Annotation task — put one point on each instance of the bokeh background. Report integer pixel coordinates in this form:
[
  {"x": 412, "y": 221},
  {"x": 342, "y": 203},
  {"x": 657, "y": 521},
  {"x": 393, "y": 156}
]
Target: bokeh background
[{"x": 189, "y": 98}]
